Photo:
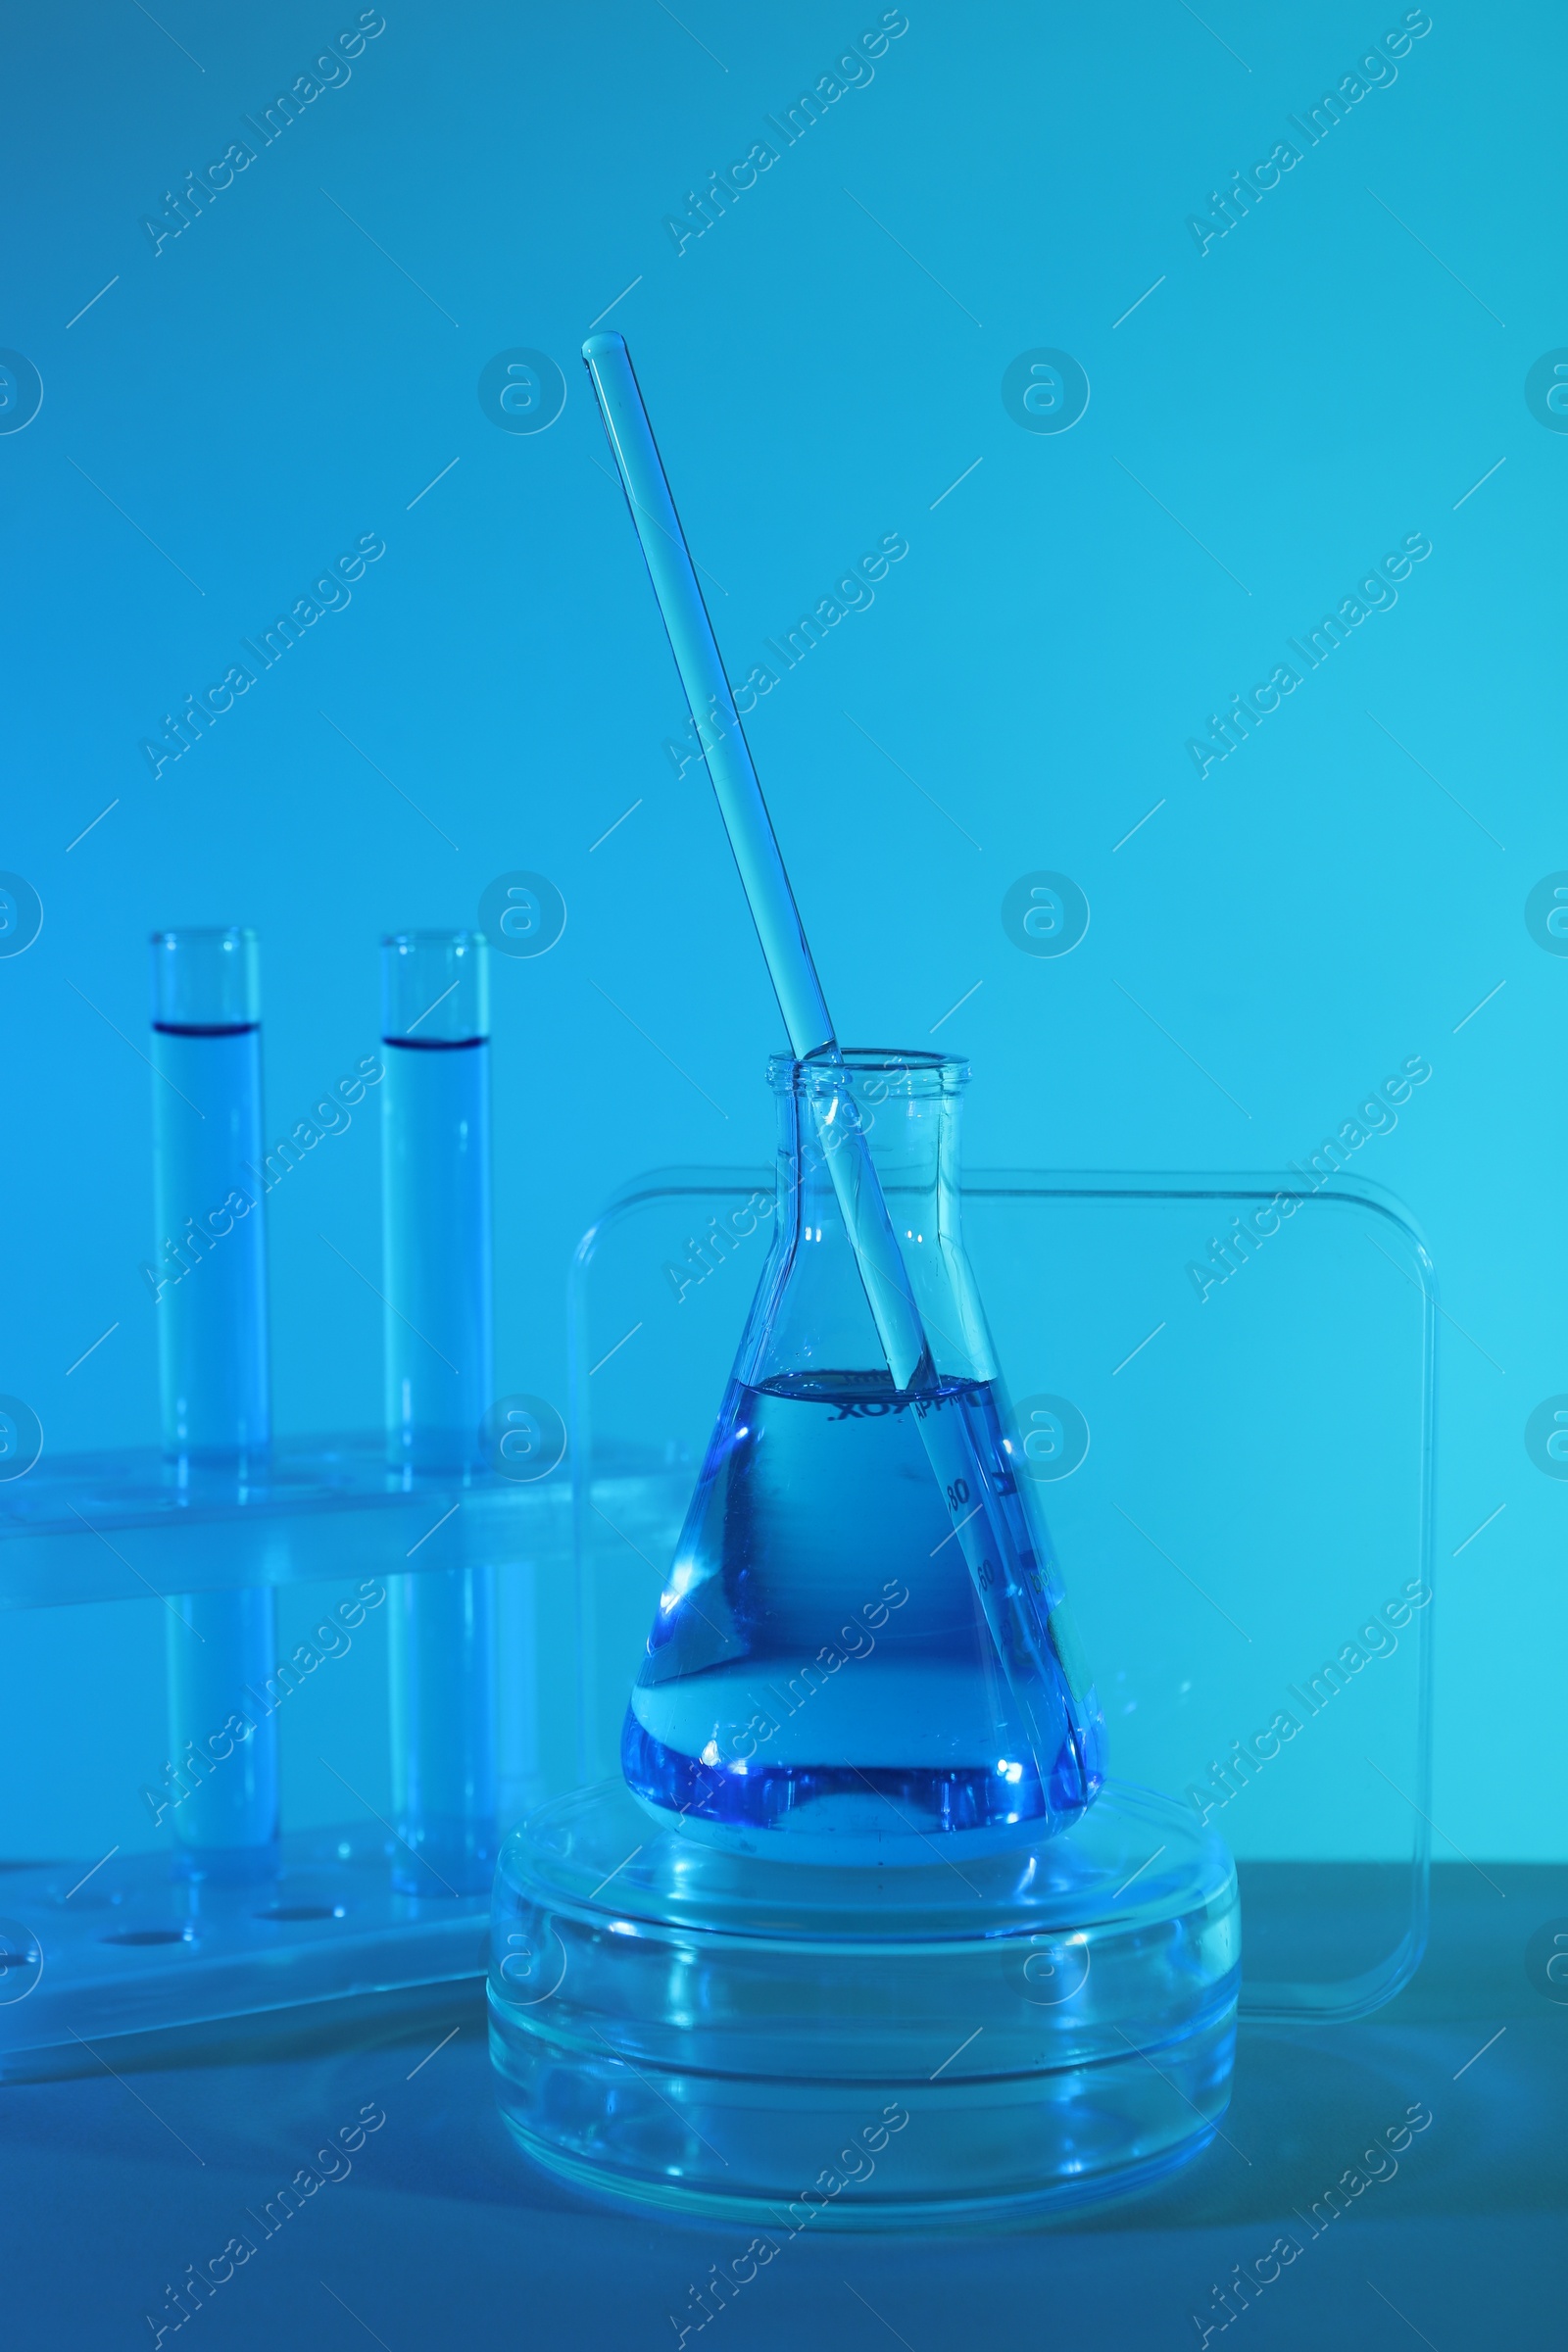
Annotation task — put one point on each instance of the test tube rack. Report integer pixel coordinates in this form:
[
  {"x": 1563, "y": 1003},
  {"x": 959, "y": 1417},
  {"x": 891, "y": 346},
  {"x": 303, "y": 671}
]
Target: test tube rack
[{"x": 105, "y": 1951}]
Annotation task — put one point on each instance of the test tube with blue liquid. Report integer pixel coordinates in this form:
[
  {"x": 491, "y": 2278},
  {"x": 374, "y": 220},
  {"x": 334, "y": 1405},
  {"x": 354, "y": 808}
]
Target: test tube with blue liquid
[
  {"x": 213, "y": 1380},
  {"x": 435, "y": 1024}
]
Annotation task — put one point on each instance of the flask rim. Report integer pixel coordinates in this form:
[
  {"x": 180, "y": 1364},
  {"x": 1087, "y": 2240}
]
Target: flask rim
[{"x": 909, "y": 1070}]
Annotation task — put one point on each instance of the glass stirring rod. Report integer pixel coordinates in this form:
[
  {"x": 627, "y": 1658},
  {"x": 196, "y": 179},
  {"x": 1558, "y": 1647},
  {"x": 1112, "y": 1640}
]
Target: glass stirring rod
[{"x": 1014, "y": 1613}]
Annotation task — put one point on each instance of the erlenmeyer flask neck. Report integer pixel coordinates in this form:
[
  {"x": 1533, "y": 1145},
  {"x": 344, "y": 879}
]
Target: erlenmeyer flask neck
[
  {"x": 907, "y": 1104},
  {"x": 813, "y": 1315}
]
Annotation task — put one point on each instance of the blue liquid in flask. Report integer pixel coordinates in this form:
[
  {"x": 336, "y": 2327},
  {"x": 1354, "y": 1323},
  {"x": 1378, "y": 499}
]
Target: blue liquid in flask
[
  {"x": 213, "y": 1380},
  {"x": 435, "y": 1109},
  {"x": 824, "y": 1662}
]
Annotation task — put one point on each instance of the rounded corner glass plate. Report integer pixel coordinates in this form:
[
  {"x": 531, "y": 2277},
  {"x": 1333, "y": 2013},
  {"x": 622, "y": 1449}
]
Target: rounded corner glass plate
[{"x": 1224, "y": 1386}]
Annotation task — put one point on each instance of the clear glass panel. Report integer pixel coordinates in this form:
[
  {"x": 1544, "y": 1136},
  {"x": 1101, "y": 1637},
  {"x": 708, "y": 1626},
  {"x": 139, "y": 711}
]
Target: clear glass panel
[{"x": 1236, "y": 1474}]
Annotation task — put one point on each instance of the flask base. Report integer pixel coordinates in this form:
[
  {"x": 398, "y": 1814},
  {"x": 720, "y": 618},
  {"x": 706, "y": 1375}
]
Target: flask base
[{"x": 971, "y": 2041}]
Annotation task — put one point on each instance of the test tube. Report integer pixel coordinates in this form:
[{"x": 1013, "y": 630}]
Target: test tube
[
  {"x": 435, "y": 1127},
  {"x": 214, "y": 1378}
]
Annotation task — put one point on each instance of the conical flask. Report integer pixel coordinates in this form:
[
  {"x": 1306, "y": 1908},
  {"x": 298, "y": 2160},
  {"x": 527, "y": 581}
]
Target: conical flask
[{"x": 821, "y": 1680}]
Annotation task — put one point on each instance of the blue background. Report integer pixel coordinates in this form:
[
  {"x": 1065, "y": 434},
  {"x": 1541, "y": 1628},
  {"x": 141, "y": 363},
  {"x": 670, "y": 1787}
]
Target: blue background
[{"x": 1318, "y": 383}]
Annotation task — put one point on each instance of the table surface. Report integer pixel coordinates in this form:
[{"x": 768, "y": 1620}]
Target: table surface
[{"x": 442, "y": 2233}]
